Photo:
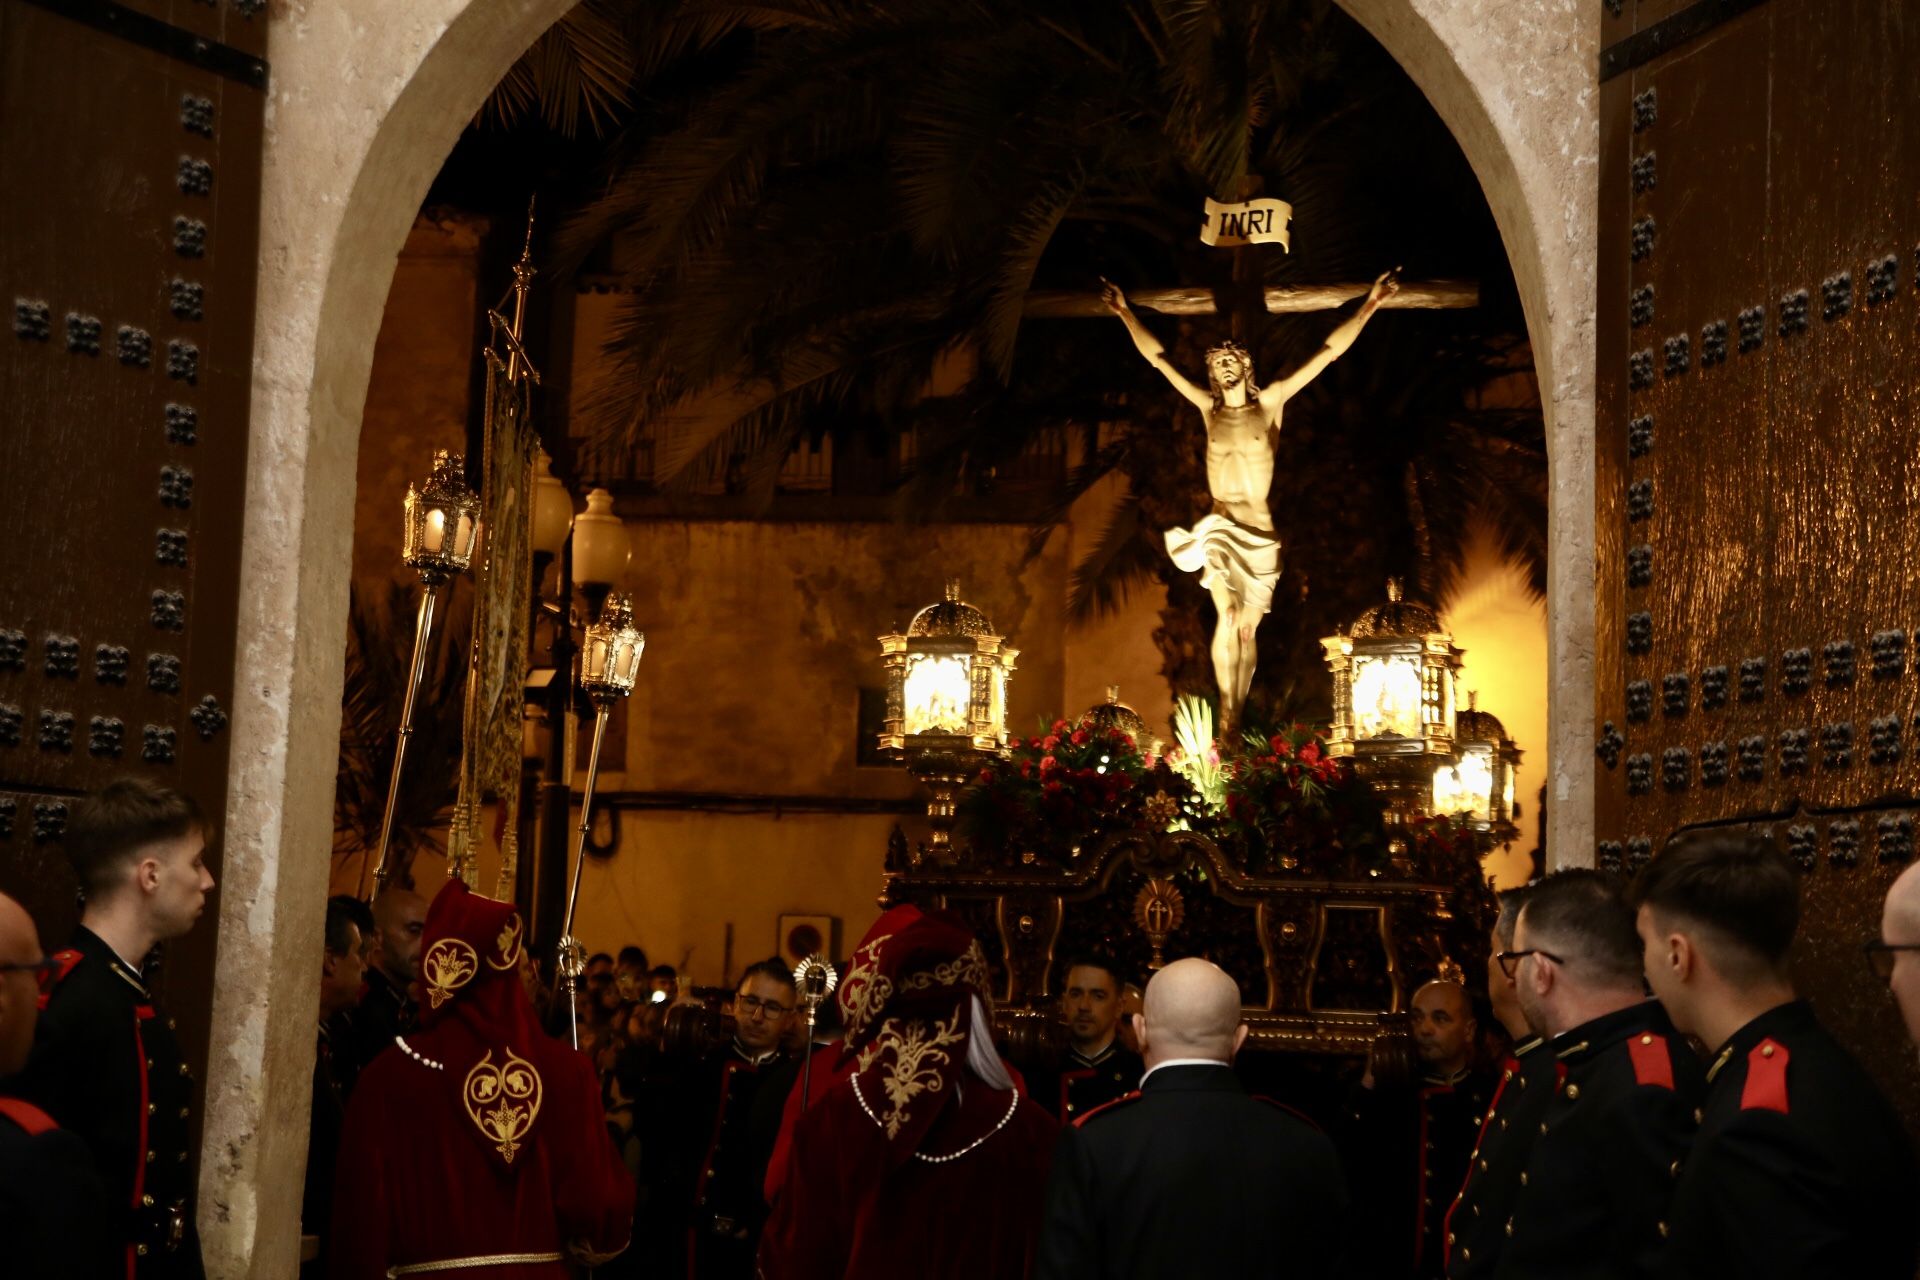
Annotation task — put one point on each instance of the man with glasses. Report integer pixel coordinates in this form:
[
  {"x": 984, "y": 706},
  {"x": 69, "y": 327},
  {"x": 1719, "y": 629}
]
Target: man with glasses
[
  {"x": 1800, "y": 1167},
  {"x": 1593, "y": 1193},
  {"x": 1895, "y": 955},
  {"x": 719, "y": 1165},
  {"x": 52, "y": 1206}
]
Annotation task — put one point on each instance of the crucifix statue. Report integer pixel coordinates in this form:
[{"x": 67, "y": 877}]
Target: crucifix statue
[{"x": 1233, "y": 547}]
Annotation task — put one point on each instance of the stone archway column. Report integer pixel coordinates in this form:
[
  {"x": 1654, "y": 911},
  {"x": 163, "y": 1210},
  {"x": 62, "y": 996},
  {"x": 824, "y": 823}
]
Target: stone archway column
[
  {"x": 1518, "y": 84},
  {"x": 367, "y": 99}
]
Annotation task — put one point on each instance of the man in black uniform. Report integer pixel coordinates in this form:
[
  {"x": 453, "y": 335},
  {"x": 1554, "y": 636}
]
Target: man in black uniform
[
  {"x": 387, "y": 1009},
  {"x": 708, "y": 1175},
  {"x": 1800, "y": 1167},
  {"x": 53, "y": 1211},
  {"x": 1593, "y": 1194},
  {"x": 105, "y": 1061},
  {"x": 342, "y": 970},
  {"x": 1191, "y": 1176},
  {"x": 1409, "y": 1143},
  {"x": 1097, "y": 1068},
  {"x": 1476, "y": 1223}
]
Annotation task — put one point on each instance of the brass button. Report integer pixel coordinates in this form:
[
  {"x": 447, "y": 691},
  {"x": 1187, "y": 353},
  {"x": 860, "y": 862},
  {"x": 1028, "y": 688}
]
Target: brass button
[
  {"x": 1698, "y": 1115},
  {"x": 1646, "y": 1039},
  {"x": 1483, "y": 1166},
  {"x": 1503, "y": 1123},
  {"x": 180, "y": 1158},
  {"x": 184, "y": 1071},
  {"x": 1475, "y": 1155},
  {"x": 1543, "y": 1126},
  {"x": 149, "y": 1064},
  {"x": 1675, "y": 1169},
  {"x": 1476, "y": 1210},
  {"x": 1509, "y": 1228},
  {"x": 1523, "y": 1177},
  {"x": 183, "y": 1113},
  {"x": 152, "y": 1107},
  {"x": 1466, "y": 1255},
  {"x": 1573, "y": 1093},
  {"x": 147, "y": 1201},
  {"x": 140, "y": 1249},
  {"x": 1663, "y": 1230},
  {"x": 1506, "y": 1075},
  {"x": 1449, "y": 1237},
  {"x": 150, "y": 1157},
  {"x": 1766, "y": 1051},
  {"x": 1427, "y": 1201},
  {"x": 170, "y": 1025}
]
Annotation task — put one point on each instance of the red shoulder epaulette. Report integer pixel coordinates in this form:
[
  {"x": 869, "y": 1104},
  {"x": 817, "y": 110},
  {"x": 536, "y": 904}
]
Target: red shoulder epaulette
[
  {"x": 1105, "y": 1107},
  {"x": 1651, "y": 1061},
  {"x": 27, "y": 1116},
  {"x": 64, "y": 962},
  {"x": 1766, "y": 1086},
  {"x": 1295, "y": 1112}
]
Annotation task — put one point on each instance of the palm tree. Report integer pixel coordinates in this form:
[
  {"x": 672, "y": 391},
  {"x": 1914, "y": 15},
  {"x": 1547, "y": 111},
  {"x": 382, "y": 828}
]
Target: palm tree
[{"x": 858, "y": 196}]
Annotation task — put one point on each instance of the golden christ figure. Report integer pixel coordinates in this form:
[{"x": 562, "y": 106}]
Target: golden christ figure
[{"x": 1234, "y": 548}]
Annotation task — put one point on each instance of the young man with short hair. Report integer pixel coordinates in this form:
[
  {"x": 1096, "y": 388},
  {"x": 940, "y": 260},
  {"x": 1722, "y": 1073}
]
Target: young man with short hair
[
  {"x": 1592, "y": 1197},
  {"x": 1095, "y": 1067},
  {"x": 343, "y": 966},
  {"x": 1800, "y": 1166},
  {"x": 105, "y": 1061}
]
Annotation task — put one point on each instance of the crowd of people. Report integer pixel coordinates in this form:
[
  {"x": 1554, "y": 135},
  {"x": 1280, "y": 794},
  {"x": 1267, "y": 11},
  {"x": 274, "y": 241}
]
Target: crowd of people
[{"x": 1636, "y": 1090}]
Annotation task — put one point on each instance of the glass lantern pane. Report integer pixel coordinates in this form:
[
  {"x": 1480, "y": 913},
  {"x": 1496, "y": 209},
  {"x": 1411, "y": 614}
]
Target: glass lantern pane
[
  {"x": 939, "y": 692},
  {"x": 1386, "y": 696},
  {"x": 1475, "y": 774},
  {"x": 1446, "y": 790}
]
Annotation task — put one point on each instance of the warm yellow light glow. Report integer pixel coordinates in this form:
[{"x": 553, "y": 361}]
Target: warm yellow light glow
[
  {"x": 939, "y": 694},
  {"x": 1386, "y": 696}
]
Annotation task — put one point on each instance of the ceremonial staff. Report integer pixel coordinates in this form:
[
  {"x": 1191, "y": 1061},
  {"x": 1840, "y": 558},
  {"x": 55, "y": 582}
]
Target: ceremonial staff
[
  {"x": 815, "y": 980},
  {"x": 609, "y": 664}
]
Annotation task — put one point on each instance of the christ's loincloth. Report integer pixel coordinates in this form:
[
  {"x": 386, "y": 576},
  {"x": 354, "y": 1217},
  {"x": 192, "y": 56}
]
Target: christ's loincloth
[{"x": 1221, "y": 549}]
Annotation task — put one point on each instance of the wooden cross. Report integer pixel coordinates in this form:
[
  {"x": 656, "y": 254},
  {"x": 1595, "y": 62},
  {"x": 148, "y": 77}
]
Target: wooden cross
[{"x": 1055, "y": 304}]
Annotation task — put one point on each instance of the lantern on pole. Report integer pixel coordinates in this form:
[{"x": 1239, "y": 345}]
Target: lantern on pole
[
  {"x": 609, "y": 666},
  {"x": 440, "y": 531},
  {"x": 947, "y": 681},
  {"x": 1393, "y": 701}
]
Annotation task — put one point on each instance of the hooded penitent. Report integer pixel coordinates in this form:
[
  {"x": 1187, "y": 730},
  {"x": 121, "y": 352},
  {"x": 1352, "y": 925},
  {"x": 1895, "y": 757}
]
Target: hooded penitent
[
  {"x": 478, "y": 1016},
  {"x": 908, "y": 1001}
]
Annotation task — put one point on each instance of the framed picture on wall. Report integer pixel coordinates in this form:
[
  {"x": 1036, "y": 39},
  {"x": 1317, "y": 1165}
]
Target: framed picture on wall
[{"x": 803, "y": 935}]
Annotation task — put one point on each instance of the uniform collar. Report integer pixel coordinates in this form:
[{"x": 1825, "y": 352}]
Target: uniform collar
[
  {"x": 754, "y": 1060},
  {"x": 1780, "y": 1023},
  {"x": 89, "y": 943},
  {"x": 1450, "y": 1080},
  {"x": 1113, "y": 1047},
  {"x": 1610, "y": 1029},
  {"x": 1190, "y": 1073},
  {"x": 1526, "y": 1047}
]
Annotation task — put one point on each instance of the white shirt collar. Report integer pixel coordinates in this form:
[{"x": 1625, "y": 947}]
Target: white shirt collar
[{"x": 1183, "y": 1062}]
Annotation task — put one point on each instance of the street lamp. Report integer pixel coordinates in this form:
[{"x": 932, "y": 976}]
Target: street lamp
[
  {"x": 946, "y": 700},
  {"x": 440, "y": 530},
  {"x": 609, "y": 665},
  {"x": 601, "y": 550},
  {"x": 1478, "y": 789},
  {"x": 1393, "y": 707}
]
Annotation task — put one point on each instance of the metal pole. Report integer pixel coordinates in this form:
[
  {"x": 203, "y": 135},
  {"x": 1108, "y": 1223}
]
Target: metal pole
[
  {"x": 550, "y": 885},
  {"x": 567, "y": 962},
  {"x": 423, "y": 627},
  {"x": 806, "y": 1066}
]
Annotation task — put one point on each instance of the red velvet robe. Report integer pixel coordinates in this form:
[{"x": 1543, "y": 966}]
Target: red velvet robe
[
  {"x": 849, "y": 1209},
  {"x": 418, "y": 1183}
]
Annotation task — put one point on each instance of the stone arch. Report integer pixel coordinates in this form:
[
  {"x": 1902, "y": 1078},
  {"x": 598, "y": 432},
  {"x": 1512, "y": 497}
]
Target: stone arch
[
  {"x": 1518, "y": 87},
  {"x": 367, "y": 99}
]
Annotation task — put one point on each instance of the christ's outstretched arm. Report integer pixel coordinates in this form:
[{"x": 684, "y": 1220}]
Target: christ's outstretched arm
[
  {"x": 1151, "y": 348},
  {"x": 1278, "y": 393}
]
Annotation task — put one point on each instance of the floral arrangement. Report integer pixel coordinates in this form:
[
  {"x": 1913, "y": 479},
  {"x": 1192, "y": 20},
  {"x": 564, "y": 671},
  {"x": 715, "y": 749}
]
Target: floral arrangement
[{"x": 1055, "y": 790}]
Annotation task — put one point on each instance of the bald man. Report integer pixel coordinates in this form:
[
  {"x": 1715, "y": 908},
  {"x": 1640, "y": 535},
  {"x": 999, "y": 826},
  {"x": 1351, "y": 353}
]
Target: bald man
[
  {"x": 1898, "y": 958},
  {"x": 1190, "y": 1175},
  {"x": 387, "y": 1009},
  {"x": 52, "y": 1204},
  {"x": 1410, "y": 1142}
]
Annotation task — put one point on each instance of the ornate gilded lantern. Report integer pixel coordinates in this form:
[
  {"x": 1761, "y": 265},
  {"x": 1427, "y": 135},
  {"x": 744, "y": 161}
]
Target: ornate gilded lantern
[
  {"x": 1115, "y": 714},
  {"x": 946, "y": 698},
  {"x": 1393, "y": 707},
  {"x": 1477, "y": 787},
  {"x": 442, "y": 521}
]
